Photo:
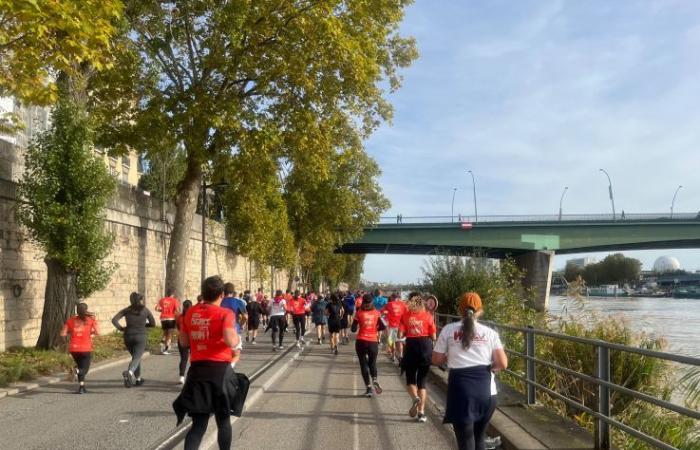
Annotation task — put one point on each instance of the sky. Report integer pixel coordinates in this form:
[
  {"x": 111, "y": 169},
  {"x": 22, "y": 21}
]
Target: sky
[{"x": 536, "y": 95}]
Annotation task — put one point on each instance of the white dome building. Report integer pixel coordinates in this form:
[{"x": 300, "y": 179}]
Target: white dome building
[{"x": 664, "y": 264}]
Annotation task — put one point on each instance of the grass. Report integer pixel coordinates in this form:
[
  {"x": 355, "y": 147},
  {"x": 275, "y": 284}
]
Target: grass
[{"x": 28, "y": 363}]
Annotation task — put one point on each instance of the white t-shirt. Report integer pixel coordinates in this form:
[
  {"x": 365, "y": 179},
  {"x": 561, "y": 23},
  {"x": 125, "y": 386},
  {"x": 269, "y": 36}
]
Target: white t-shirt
[
  {"x": 278, "y": 308},
  {"x": 479, "y": 353}
]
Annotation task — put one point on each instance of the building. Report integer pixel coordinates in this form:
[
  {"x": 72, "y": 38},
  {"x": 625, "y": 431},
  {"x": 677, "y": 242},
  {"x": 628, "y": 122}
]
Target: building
[{"x": 581, "y": 262}]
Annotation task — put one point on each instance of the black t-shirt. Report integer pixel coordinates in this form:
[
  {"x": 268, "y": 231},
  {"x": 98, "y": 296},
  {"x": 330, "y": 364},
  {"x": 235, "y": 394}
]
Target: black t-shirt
[
  {"x": 254, "y": 309},
  {"x": 333, "y": 311}
]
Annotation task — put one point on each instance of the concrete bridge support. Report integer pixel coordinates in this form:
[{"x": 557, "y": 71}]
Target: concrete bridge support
[{"x": 537, "y": 266}]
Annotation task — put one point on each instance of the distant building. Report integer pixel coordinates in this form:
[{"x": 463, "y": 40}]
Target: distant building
[
  {"x": 665, "y": 264},
  {"x": 581, "y": 262}
]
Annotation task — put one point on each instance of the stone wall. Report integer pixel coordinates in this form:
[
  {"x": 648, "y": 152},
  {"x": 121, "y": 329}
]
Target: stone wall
[{"x": 141, "y": 241}]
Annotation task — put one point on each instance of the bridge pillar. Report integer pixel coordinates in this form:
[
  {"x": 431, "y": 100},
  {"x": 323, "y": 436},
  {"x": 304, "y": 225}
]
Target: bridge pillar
[{"x": 537, "y": 266}]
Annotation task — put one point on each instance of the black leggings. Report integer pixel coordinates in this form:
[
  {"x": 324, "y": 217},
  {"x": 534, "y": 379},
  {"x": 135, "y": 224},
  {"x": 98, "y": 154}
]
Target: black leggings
[
  {"x": 277, "y": 324},
  {"x": 184, "y": 356},
  {"x": 367, "y": 354},
  {"x": 136, "y": 345},
  {"x": 416, "y": 375},
  {"x": 299, "y": 325},
  {"x": 82, "y": 360},
  {"x": 199, "y": 427},
  {"x": 470, "y": 435}
]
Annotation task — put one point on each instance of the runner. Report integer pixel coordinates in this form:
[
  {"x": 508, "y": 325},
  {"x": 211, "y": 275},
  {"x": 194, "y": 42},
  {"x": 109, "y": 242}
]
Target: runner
[
  {"x": 210, "y": 333},
  {"x": 265, "y": 304},
  {"x": 184, "y": 351},
  {"x": 81, "y": 327},
  {"x": 419, "y": 328},
  {"x": 278, "y": 311},
  {"x": 472, "y": 352},
  {"x": 168, "y": 308},
  {"x": 366, "y": 323},
  {"x": 334, "y": 311},
  {"x": 137, "y": 318},
  {"x": 318, "y": 315},
  {"x": 394, "y": 310},
  {"x": 297, "y": 307},
  {"x": 349, "y": 307},
  {"x": 235, "y": 304},
  {"x": 255, "y": 311}
]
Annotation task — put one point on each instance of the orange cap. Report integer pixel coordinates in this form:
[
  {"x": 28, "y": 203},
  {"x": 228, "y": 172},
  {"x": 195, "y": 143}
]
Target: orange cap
[{"x": 470, "y": 300}]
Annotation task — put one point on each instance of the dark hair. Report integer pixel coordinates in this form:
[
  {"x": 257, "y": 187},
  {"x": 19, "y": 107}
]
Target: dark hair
[
  {"x": 278, "y": 293},
  {"x": 168, "y": 292},
  {"x": 212, "y": 288},
  {"x": 367, "y": 302},
  {"x": 136, "y": 302},
  {"x": 185, "y": 306},
  {"x": 334, "y": 299},
  {"x": 296, "y": 293},
  {"x": 468, "y": 328},
  {"x": 377, "y": 292},
  {"x": 229, "y": 289},
  {"x": 82, "y": 310}
]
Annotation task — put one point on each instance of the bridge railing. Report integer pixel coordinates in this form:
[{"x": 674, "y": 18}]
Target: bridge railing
[
  {"x": 602, "y": 379},
  {"x": 542, "y": 218}
]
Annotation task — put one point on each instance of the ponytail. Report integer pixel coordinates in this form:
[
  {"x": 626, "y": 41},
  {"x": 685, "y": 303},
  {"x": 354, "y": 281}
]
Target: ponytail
[{"x": 468, "y": 328}]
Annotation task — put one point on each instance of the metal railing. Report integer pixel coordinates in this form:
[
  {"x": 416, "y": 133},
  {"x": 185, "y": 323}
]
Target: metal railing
[
  {"x": 632, "y": 217},
  {"x": 601, "y": 379}
]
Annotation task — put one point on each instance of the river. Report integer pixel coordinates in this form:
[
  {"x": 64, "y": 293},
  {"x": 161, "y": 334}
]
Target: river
[{"x": 676, "y": 320}]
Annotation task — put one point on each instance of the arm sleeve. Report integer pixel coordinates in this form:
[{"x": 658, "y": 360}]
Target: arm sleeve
[
  {"x": 228, "y": 321},
  {"x": 495, "y": 341},
  {"x": 116, "y": 318},
  {"x": 441, "y": 344}
]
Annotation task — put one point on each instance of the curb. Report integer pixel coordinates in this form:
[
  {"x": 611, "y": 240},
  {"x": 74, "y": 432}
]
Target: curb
[{"x": 21, "y": 387}]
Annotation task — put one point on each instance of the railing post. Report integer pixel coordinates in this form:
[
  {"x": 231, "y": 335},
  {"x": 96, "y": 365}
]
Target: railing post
[
  {"x": 530, "y": 366},
  {"x": 602, "y": 429}
]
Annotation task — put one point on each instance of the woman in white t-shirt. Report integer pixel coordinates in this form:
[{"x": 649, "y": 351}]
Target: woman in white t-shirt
[{"x": 472, "y": 352}]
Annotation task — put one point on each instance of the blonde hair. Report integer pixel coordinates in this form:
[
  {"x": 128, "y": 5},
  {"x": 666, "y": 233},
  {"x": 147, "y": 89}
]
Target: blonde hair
[{"x": 415, "y": 303}]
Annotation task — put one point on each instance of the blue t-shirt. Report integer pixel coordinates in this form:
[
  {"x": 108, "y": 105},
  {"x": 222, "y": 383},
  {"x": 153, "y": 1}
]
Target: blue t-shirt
[
  {"x": 349, "y": 303},
  {"x": 380, "y": 302},
  {"x": 236, "y": 305}
]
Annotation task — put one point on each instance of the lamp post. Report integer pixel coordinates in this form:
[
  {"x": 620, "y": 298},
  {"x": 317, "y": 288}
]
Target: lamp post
[
  {"x": 561, "y": 200},
  {"x": 204, "y": 224},
  {"x": 673, "y": 202},
  {"x": 610, "y": 192},
  {"x": 476, "y": 213},
  {"x": 452, "y": 211}
]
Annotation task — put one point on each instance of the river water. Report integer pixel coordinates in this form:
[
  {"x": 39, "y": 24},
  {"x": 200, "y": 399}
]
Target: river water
[{"x": 676, "y": 320}]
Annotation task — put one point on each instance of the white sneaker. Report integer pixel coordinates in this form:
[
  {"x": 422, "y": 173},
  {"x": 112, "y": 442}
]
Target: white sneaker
[{"x": 182, "y": 380}]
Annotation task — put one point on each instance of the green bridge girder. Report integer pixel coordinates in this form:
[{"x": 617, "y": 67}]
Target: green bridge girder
[{"x": 498, "y": 239}]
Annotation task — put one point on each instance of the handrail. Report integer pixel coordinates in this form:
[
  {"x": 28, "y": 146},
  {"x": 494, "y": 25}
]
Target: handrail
[
  {"x": 602, "y": 380},
  {"x": 604, "y": 217}
]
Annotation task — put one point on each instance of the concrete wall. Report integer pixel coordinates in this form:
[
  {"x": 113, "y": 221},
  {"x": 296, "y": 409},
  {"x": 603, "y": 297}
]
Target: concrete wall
[{"x": 141, "y": 240}]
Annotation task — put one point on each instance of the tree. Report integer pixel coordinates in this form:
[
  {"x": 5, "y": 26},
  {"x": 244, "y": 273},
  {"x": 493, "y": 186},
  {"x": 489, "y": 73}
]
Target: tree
[
  {"x": 63, "y": 192},
  {"x": 614, "y": 269},
  {"x": 211, "y": 73},
  {"x": 572, "y": 272}
]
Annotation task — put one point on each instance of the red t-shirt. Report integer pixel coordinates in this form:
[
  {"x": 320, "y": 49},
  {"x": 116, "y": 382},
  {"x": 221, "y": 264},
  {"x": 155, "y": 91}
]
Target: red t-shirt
[
  {"x": 167, "y": 306},
  {"x": 81, "y": 332},
  {"x": 418, "y": 324},
  {"x": 297, "y": 306},
  {"x": 204, "y": 324},
  {"x": 367, "y": 325},
  {"x": 394, "y": 310}
]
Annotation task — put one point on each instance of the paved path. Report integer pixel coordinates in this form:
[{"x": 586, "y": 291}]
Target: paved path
[
  {"x": 109, "y": 416},
  {"x": 319, "y": 404}
]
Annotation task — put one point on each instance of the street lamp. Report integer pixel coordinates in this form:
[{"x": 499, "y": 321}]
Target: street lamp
[
  {"x": 204, "y": 224},
  {"x": 610, "y": 192},
  {"x": 452, "y": 211},
  {"x": 561, "y": 200},
  {"x": 476, "y": 213},
  {"x": 674, "y": 199}
]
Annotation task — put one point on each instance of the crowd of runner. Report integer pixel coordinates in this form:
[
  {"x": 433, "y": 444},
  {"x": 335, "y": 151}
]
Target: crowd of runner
[{"x": 210, "y": 340}]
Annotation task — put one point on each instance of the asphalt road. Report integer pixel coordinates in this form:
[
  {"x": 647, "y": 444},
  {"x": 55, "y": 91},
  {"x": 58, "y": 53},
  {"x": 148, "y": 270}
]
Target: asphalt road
[
  {"x": 110, "y": 416},
  {"x": 319, "y": 404}
]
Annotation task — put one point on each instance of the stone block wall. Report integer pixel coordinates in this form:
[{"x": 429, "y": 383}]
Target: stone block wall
[{"x": 141, "y": 241}]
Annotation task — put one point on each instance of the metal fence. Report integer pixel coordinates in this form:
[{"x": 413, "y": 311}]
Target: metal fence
[
  {"x": 601, "y": 379},
  {"x": 632, "y": 217}
]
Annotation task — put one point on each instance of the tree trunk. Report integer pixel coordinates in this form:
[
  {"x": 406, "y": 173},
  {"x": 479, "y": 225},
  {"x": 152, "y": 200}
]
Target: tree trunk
[
  {"x": 60, "y": 299},
  {"x": 185, "y": 209}
]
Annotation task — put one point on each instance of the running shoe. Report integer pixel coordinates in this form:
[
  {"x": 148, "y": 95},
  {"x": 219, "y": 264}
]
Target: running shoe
[
  {"x": 414, "y": 407},
  {"x": 421, "y": 418},
  {"x": 162, "y": 347},
  {"x": 280, "y": 347},
  {"x": 368, "y": 392},
  {"x": 182, "y": 380},
  {"x": 128, "y": 378},
  {"x": 247, "y": 339},
  {"x": 254, "y": 343},
  {"x": 319, "y": 342},
  {"x": 138, "y": 382},
  {"x": 82, "y": 390},
  {"x": 336, "y": 350},
  {"x": 274, "y": 348},
  {"x": 166, "y": 352},
  {"x": 298, "y": 344},
  {"x": 377, "y": 388}
]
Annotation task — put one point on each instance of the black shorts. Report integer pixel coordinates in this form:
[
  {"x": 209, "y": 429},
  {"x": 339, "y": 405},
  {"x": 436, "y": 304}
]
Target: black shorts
[
  {"x": 253, "y": 322},
  {"x": 334, "y": 326},
  {"x": 168, "y": 324}
]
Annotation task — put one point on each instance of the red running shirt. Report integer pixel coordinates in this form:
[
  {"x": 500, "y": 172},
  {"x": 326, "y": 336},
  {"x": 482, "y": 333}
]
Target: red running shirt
[
  {"x": 168, "y": 306},
  {"x": 418, "y": 324},
  {"x": 367, "y": 325},
  {"x": 298, "y": 306},
  {"x": 81, "y": 332},
  {"x": 394, "y": 310},
  {"x": 205, "y": 324}
]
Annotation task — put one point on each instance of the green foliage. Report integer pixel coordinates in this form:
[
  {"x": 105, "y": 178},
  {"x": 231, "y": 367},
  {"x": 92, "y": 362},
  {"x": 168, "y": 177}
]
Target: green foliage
[
  {"x": 163, "y": 173},
  {"x": 42, "y": 37},
  {"x": 614, "y": 269},
  {"x": 64, "y": 190}
]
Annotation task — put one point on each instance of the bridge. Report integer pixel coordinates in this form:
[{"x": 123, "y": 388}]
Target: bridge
[{"x": 530, "y": 240}]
